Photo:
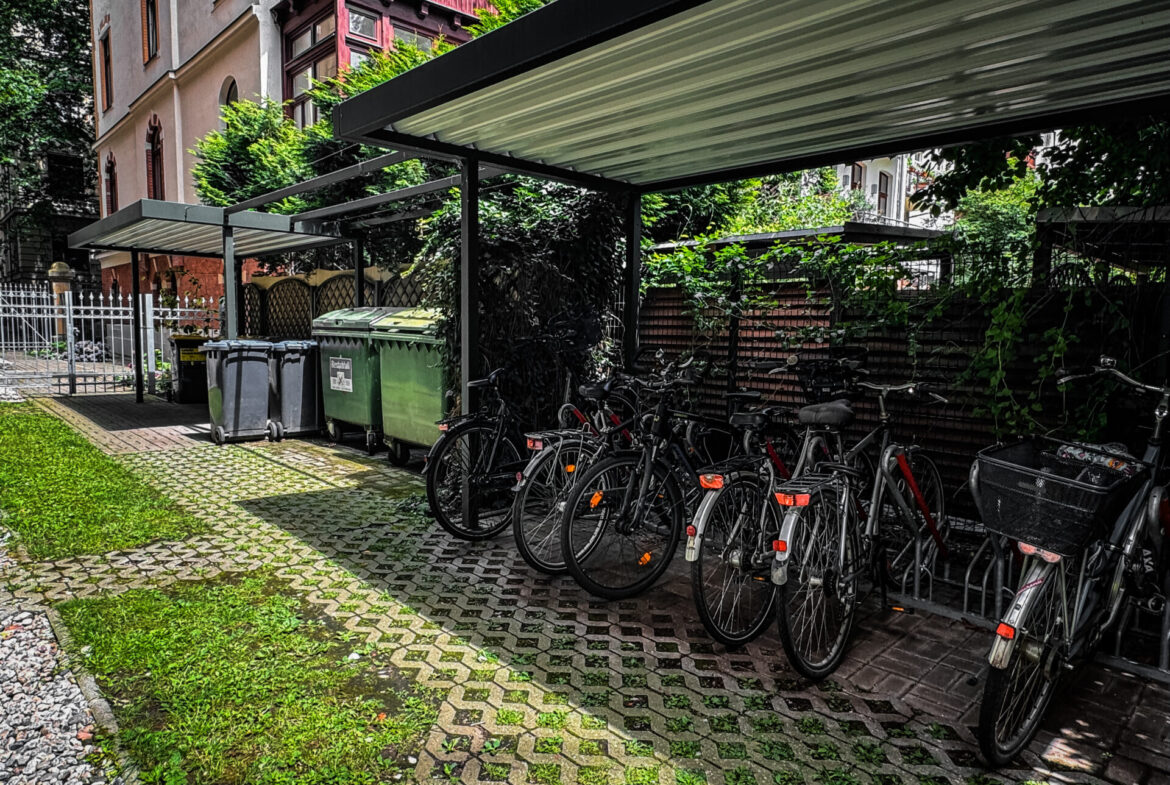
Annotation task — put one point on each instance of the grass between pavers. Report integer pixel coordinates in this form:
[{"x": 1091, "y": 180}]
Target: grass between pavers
[
  {"x": 64, "y": 497},
  {"x": 238, "y": 680}
]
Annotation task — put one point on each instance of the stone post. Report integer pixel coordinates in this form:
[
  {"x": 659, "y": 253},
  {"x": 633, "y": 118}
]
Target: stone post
[{"x": 61, "y": 277}]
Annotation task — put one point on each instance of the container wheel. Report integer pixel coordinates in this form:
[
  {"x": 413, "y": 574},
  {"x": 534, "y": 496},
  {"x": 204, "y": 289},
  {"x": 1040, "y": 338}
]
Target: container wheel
[
  {"x": 333, "y": 430},
  {"x": 279, "y": 431},
  {"x": 218, "y": 435},
  {"x": 399, "y": 453},
  {"x": 273, "y": 431},
  {"x": 371, "y": 442}
]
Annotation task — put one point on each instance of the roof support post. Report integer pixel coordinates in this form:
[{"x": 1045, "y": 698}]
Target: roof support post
[
  {"x": 231, "y": 287},
  {"x": 733, "y": 334},
  {"x": 359, "y": 272},
  {"x": 469, "y": 308},
  {"x": 136, "y": 319},
  {"x": 633, "y": 276}
]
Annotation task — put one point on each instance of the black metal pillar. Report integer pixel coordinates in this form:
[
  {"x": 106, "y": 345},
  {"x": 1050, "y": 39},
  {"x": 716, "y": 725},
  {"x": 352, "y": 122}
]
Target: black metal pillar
[
  {"x": 633, "y": 277},
  {"x": 136, "y": 318},
  {"x": 469, "y": 281},
  {"x": 733, "y": 332},
  {"x": 231, "y": 287},
  {"x": 359, "y": 272}
]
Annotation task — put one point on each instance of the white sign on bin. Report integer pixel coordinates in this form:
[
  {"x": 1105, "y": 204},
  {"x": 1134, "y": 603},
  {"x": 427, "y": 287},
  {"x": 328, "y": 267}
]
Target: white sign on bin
[{"x": 341, "y": 374}]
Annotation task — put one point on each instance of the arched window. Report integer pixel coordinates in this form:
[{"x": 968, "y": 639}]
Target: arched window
[
  {"x": 111, "y": 185},
  {"x": 154, "y": 160},
  {"x": 230, "y": 93}
]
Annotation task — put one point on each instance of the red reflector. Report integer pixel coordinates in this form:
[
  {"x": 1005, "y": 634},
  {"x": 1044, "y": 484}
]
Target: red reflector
[
  {"x": 792, "y": 499},
  {"x": 780, "y": 546},
  {"x": 691, "y": 531},
  {"x": 519, "y": 476},
  {"x": 443, "y": 426},
  {"x": 1005, "y": 631},
  {"x": 535, "y": 444},
  {"x": 1028, "y": 550},
  {"x": 711, "y": 482}
]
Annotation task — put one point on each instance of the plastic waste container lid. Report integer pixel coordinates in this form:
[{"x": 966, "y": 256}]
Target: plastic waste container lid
[
  {"x": 418, "y": 325},
  {"x": 236, "y": 346},
  {"x": 350, "y": 320},
  {"x": 293, "y": 346}
]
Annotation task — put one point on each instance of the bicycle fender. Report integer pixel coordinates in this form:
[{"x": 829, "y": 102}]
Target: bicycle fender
[
  {"x": 1002, "y": 647},
  {"x": 453, "y": 425},
  {"x": 702, "y": 515},
  {"x": 780, "y": 560}
]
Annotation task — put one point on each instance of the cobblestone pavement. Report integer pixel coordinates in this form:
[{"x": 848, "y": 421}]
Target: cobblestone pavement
[{"x": 571, "y": 688}]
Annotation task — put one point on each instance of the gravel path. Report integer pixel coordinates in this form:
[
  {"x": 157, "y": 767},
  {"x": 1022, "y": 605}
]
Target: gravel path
[{"x": 46, "y": 728}]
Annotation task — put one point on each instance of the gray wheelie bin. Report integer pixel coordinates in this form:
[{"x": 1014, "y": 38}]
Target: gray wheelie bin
[
  {"x": 295, "y": 385},
  {"x": 237, "y": 389},
  {"x": 350, "y": 383}
]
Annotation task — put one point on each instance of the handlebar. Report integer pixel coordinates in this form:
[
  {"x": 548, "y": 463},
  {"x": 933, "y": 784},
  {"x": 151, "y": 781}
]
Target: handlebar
[
  {"x": 1108, "y": 366},
  {"x": 913, "y": 388}
]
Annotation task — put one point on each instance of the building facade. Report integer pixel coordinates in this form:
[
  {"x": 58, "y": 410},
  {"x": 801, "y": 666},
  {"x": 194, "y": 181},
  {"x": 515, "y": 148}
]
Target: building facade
[
  {"x": 163, "y": 69},
  {"x": 882, "y": 185}
]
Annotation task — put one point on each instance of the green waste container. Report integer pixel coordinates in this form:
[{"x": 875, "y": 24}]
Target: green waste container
[
  {"x": 413, "y": 382},
  {"x": 350, "y": 384}
]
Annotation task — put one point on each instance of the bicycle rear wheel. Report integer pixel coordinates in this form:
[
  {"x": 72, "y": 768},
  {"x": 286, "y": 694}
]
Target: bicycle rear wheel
[
  {"x": 898, "y": 534},
  {"x": 817, "y": 603},
  {"x": 462, "y": 462},
  {"x": 610, "y": 550},
  {"x": 731, "y": 577},
  {"x": 1016, "y": 696},
  {"x": 539, "y": 504}
]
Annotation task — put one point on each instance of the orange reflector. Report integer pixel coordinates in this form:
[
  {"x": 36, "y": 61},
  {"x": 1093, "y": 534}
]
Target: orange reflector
[
  {"x": 1005, "y": 631},
  {"x": 644, "y": 560},
  {"x": 711, "y": 482},
  {"x": 595, "y": 499},
  {"x": 897, "y": 608},
  {"x": 792, "y": 499},
  {"x": 780, "y": 546},
  {"x": 535, "y": 444},
  {"x": 691, "y": 531},
  {"x": 443, "y": 426},
  {"x": 570, "y": 468}
]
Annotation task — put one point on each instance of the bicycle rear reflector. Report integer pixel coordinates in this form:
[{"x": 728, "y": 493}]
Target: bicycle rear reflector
[
  {"x": 1005, "y": 631},
  {"x": 595, "y": 499},
  {"x": 535, "y": 444},
  {"x": 792, "y": 499},
  {"x": 711, "y": 482},
  {"x": 1032, "y": 550},
  {"x": 692, "y": 531},
  {"x": 780, "y": 546},
  {"x": 443, "y": 426}
]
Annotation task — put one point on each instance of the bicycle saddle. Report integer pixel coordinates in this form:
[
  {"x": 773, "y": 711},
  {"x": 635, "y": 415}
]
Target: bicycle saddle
[
  {"x": 745, "y": 396},
  {"x": 488, "y": 381},
  {"x": 595, "y": 391},
  {"x": 757, "y": 420},
  {"x": 834, "y": 413}
]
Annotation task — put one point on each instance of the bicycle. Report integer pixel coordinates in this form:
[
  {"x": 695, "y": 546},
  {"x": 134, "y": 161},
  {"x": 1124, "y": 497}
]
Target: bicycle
[
  {"x": 624, "y": 517},
  {"x": 560, "y": 456},
  {"x": 829, "y": 539},
  {"x": 1090, "y": 524}
]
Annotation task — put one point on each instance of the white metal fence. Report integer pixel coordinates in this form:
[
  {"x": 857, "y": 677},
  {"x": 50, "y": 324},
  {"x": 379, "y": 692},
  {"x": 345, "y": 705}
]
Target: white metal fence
[{"x": 78, "y": 342}]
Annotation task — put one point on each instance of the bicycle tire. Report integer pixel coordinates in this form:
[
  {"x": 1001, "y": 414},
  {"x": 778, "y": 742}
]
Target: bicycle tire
[
  {"x": 449, "y": 461},
  {"x": 1037, "y": 627},
  {"x": 897, "y": 537},
  {"x": 537, "y": 509},
  {"x": 813, "y": 575},
  {"x": 735, "y": 601},
  {"x": 615, "y": 559}
]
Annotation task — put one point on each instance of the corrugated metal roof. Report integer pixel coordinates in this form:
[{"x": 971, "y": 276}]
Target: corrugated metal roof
[
  {"x": 153, "y": 226},
  {"x": 694, "y": 91}
]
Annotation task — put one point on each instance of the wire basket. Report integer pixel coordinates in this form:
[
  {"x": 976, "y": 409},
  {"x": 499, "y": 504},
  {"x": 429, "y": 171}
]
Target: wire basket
[{"x": 1035, "y": 492}]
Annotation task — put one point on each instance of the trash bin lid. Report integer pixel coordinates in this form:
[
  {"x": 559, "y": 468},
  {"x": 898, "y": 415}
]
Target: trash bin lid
[
  {"x": 236, "y": 346},
  {"x": 417, "y": 325},
  {"x": 293, "y": 346},
  {"x": 350, "y": 320}
]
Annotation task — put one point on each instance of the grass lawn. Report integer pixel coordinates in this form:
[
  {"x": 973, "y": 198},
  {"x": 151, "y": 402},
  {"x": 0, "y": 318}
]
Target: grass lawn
[
  {"x": 236, "y": 680},
  {"x": 64, "y": 497}
]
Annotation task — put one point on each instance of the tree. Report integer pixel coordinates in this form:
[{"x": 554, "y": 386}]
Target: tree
[
  {"x": 1124, "y": 164},
  {"x": 46, "y": 103}
]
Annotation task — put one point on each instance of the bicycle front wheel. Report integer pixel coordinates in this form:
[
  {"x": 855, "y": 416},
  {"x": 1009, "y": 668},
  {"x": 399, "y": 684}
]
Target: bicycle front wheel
[
  {"x": 817, "y": 602},
  {"x": 900, "y": 535},
  {"x": 1015, "y": 697},
  {"x": 539, "y": 504},
  {"x": 464, "y": 464},
  {"x": 617, "y": 537},
  {"x": 731, "y": 576}
]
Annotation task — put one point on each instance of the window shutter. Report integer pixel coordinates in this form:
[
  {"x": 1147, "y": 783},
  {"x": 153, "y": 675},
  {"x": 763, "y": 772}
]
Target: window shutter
[{"x": 145, "y": 43}]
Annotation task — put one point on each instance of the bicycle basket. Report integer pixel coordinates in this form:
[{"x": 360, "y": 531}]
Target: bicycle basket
[
  {"x": 824, "y": 380},
  {"x": 1051, "y": 494}
]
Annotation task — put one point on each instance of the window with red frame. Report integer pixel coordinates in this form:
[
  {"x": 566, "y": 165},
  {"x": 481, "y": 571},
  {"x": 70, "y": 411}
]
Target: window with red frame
[
  {"x": 111, "y": 185},
  {"x": 154, "y": 161},
  {"x": 883, "y": 201}
]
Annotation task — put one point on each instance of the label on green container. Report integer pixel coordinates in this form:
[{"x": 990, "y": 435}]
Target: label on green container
[{"x": 341, "y": 374}]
